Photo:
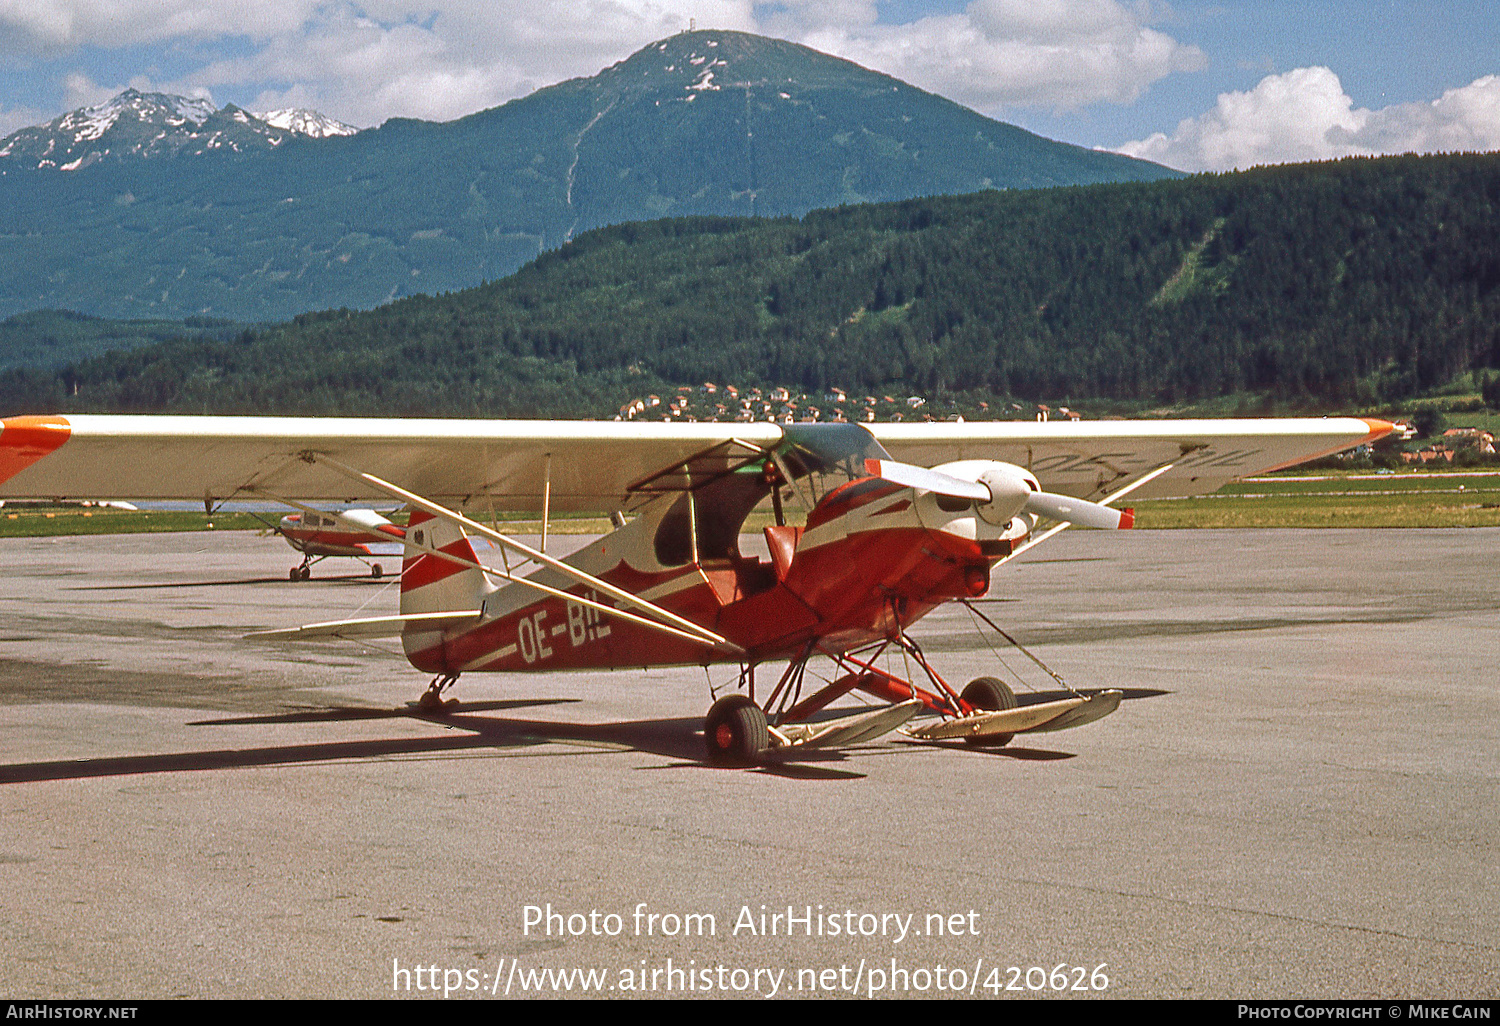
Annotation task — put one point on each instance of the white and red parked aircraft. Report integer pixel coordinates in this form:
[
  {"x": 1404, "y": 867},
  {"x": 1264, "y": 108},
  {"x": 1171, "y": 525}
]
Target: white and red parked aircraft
[
  {"x": 318, "y": 534},
  {"x": 886, "y": 537}
]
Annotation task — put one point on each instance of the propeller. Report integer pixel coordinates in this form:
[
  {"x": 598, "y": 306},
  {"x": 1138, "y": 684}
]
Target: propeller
[
  {"x": 1079, "y": 511},
  {"x": 1000, "y": 491},
  {"x": 928, "y": 480}
]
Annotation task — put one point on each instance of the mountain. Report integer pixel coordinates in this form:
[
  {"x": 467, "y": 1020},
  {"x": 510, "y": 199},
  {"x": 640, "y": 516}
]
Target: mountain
[
  {"x": 710, "y": 123},
  {"x": 136, "y": 125},
  {"x": 1319, "y": 286},
  {"x": 305, "y": 122},
  {"x": 728, "y": 123}
]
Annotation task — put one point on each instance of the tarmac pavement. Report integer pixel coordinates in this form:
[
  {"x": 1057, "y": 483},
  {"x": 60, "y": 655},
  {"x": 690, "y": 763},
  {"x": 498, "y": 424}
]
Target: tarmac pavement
[{"x": 1296, "y": 800}]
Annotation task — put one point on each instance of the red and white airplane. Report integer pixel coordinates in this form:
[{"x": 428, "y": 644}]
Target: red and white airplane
[
  {"x": 318, "y": 534},
  {"x": 895, "y": 521}
]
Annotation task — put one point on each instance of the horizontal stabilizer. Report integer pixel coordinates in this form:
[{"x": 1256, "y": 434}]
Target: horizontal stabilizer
[
  {"x": 851, "y": 730},
  {"x": 372, "y": 627},
  {"x": 1067, "y": 712}
]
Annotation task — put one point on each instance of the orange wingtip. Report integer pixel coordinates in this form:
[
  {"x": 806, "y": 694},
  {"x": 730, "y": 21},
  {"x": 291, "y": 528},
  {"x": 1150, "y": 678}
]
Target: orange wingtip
[
  {"x": 1127, "y": 518},
  {"x": 24, "y": 440},
  {"x": 1378, "y": 429}
]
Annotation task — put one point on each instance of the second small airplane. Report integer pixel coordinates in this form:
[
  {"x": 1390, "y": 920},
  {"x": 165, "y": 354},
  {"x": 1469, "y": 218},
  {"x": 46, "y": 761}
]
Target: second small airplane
[{"x": 317, "y": 537}]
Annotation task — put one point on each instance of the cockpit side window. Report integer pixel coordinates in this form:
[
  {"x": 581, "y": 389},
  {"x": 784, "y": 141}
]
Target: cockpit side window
[
  {"x": 818, "y": 457},
  {"x": 721, "y": 509}
]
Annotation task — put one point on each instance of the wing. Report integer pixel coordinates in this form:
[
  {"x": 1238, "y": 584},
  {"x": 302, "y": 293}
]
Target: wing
[
  {"x": 591, "y": 466},
  {"x": 1090, "y": 459},
  {"x": 469, "y": 464}
]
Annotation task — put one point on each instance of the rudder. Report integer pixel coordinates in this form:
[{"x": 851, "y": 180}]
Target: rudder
[{"x": 432, "y": 584}]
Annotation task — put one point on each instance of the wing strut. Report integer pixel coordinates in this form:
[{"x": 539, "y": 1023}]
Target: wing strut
[
  {"x": 546, "y": 499},
  {"x": 698, "y": 633}
]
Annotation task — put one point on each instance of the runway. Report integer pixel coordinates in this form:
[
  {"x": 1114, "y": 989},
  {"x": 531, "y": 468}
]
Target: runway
[{"x": 1298, "y": 799}]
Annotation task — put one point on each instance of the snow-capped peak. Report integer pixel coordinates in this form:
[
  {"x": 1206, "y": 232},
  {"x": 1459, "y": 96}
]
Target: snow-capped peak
[
  {"x": 304, "y": 122},
  {"x": 92, "y": 122},
  {"x": 146, "y": 125}
]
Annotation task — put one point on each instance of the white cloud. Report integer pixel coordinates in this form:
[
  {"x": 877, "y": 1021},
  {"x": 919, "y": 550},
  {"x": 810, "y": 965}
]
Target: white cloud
[
  {"x": 439, "y": 59},
  {"x": 13, "y": 119},
  {"x": 58, "y": 24},
  {"x": 83, "y": 91},
  {"x": 1306, "y": 115},
  {"x": 1060, "y": 54}
]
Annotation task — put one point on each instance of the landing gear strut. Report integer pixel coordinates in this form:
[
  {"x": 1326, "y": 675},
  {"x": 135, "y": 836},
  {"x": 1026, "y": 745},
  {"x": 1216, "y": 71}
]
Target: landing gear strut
[{"x": 432, "y": 698}]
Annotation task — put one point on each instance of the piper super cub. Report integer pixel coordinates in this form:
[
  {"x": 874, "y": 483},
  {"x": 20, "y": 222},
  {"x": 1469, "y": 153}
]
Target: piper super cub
[{"x": 884, "y": 538}]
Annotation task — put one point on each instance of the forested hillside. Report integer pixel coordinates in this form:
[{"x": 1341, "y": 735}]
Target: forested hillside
[
  {"x": 55, "y": 338},
  {"x": 1329, "y": 284}
]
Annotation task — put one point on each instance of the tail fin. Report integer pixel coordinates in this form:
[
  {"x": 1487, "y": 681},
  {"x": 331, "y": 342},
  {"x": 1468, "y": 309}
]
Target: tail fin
[{"x": 432, "y": 584}]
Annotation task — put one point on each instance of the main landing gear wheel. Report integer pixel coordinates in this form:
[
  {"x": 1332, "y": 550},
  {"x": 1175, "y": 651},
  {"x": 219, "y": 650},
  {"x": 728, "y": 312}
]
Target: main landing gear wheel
[
  {"x": 299, "y": 573},
  {"x": 989, "y": 694},
  {"x": 735, "y": 732}
]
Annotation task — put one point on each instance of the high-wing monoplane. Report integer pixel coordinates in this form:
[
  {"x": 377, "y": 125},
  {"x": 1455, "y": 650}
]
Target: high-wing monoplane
[
  {"x": 319, "y": 534},
  {"x": 868, "y": 529}
]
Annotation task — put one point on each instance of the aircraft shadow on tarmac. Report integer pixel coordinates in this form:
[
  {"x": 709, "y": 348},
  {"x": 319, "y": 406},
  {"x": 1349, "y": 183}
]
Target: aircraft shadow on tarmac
[
  {"x": 329, "y": 579},
  {"x": 471, "y": 729}
]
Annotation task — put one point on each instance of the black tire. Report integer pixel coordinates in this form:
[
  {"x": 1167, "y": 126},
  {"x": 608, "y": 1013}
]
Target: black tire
[
  {"x": 376, "y": 572},
  {"x": 294, "y": 574},
  {"x": 990, "y": 694},
  {"x": 307, "y": 573},
  {"x": 735, "y": 732}
]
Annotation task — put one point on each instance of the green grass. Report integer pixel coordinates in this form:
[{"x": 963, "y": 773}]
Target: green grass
[
  {"x": 41, "y": 522},
  {"x": 1336, "y": 500},
  {"x": 38, "y": 523},
  {"x": 1324, "y": 500}
]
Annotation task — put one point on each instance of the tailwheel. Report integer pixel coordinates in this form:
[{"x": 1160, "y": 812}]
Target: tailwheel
[
  {"x": 376, "y": 572},
  {"x": 989, "y": 694},
  {"x": 432, "y": 698},
  {"x": 735, "y": 732}
]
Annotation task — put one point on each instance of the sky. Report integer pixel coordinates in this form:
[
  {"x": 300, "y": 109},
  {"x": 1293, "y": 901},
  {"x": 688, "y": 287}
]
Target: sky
[{"x": 1199, "y": 86}]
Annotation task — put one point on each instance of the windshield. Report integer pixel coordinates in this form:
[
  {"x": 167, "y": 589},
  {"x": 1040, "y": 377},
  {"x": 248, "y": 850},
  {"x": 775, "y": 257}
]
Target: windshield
[{"x": 822, "y": 457}]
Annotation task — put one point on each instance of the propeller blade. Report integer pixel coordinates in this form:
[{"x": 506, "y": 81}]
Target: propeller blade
[
  {"x": 1078, "y": 511},
  {"x": 929, "y": 480}
]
